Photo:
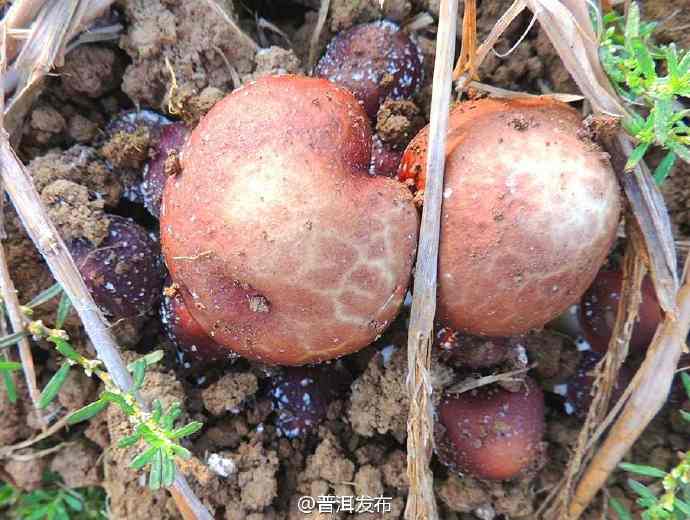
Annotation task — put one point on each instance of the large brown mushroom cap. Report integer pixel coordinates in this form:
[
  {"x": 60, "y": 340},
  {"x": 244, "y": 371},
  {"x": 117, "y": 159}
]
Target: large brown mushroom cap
[
  {"x": 291, "y": 253},
  {"x": 530, "y": 210}
]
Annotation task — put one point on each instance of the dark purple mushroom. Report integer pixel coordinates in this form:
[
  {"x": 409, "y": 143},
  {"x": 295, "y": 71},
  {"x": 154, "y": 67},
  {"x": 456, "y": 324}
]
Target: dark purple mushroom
[
  {"x": 374, "y": 61},
  {"x": 162, "y": 164},
  {"x": 124, "y": 273},
  {"x": 577, "y": 390},
  {"x": 491, "y": 433},
  {"x": 126, "y": 147},
  {"x": 384, "y": 158},
  {"x": 301, "y": 396},
  {"x": 599, "y": 307}
]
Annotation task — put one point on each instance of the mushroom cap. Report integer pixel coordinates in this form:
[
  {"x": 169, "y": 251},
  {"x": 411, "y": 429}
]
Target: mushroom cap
[
  {"x": 530, "y": 211},
  {"x": 491, "y": 433},
  {"x": 291, "y": 252}
]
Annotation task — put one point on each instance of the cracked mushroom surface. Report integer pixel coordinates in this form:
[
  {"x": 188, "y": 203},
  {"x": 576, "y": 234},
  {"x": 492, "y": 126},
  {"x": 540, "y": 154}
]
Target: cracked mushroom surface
[{"x": 285, "y": 249}]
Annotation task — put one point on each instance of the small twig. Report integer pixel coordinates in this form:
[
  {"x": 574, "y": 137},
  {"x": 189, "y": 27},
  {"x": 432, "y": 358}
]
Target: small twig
[
  {"x": 12, "y": 305},
  {"x": 558, "y": 502},
  {"x": 496, "y": 31},
  {"x": 316, "y": 35},
  {"x": 651, "y": 386},
  {"x": 33, "y": 455},
  {"x": 244, "y": 37},
  {"x": 42, "y": 231},
  {"x": 474, "y": 383},
  {"x": 421, "y": 503},
  {"x": 468, "y": 49},
  {"x": 418, "y": 22},
  {"x": 509, "y": 94},
  {"x": 6, "y": 451}
]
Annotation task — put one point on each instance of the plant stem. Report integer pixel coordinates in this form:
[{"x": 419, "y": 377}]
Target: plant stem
[
  {"x": 9, "y": 295},
  {"x": 42, "y": 231},
  {"x": 421, "y": 502}
]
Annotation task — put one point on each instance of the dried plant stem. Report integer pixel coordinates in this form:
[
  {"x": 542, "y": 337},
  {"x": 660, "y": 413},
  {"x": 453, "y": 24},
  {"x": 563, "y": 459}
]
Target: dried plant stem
[
  {"x": 9, "y": 297},
  {"x": 33, "y": 215},
  {"x": 468, "y": 48},
  {"x": 651, "y": 386},
  {"x": 244, "y": 37},
  {"x": 7, "y": 451},
  {"x": 421, "y": 503},
  {"x": 606, "y": 374},
  {"x": 8, "y": 293},
  {"x": 316, "y": 35}
]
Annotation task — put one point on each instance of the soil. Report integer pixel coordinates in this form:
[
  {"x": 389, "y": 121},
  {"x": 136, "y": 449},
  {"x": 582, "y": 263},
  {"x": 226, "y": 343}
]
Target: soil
[{"x": 179, "y": 57}]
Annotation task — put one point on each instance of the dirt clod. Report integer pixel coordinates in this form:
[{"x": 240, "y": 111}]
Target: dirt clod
[{"x": 229, "y": 392}]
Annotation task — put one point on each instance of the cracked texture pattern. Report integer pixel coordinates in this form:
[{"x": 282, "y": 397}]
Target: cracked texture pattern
[
  {"x": 285, "y": 249},
  {"x": 530, "y": 210}
]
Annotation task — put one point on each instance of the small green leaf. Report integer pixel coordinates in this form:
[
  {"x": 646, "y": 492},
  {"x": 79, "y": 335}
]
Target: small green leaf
[
  {"x": 45, "y": 296},
  {"x": 63, "y": 309},
  {"x": 684, "y": 508},
  {"x": 156, "y": 471},
  {"x": 64, "y": 348},
  {"x": 620, "y": 510},
  {"x": 644, "y": 59},
  {"x": 150, "y": 359},
  {"x": 663, "y": 110},
  {"x": 129, "y": 440},
  {"x": 13, "y": 339},
  {"x": 9, "y": 366},
  {"x": 143, "y": 458},
  {"x": 682, "y": 151},
  {"x": 173, "y": 413},
  {"x": 664, "y": 168},
  {"x": 157, "y": 410},
  {"x": 73, "y": 502},
  {"x": 87, "y": 412},
  {"x": 636, "y": 156},
  {"x": 685, "y": 379},
  {"x": 685, "y": 415},
  {"x": 181, "y": 452},
  {"x": 168, "y": 471},
  {"x": 138, "y": 369},
  {"x": 648, "y": 471},
  {"x": 632, "y": 24},
  {"x": 642, "y": 490},
  {"x": 53, "y": 387},
  {"x": 119, "y": 400},
  {"x": 187, "y": 430},
  {"x": 10, "y": 388}
]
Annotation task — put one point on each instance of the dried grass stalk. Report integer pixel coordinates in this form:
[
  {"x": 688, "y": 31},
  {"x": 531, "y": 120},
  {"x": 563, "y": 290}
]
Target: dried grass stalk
[
  {"x": 35, "y": 62},
  {"x": 316, "y": 35},
  {"x": 605, "y": 376},
  {"x": 650, "y": 389},
  {"x": 44, "y": 235},
  {"x": 421, "y": 502}
]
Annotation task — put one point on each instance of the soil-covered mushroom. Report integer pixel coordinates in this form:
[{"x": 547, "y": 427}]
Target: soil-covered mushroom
[
  {"x": 374, "y": 61},
  {"x": 291, "y": 252},
  {"x": 530, "y": 210}
]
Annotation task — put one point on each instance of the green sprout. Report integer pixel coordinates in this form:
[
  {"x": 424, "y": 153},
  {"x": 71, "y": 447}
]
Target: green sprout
[
  {"x": 674, "y": 502},
  {"x": 651, "y": 79},
  {"x": 52, "y": 502},
  {"x": 155, "y": 429}
]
